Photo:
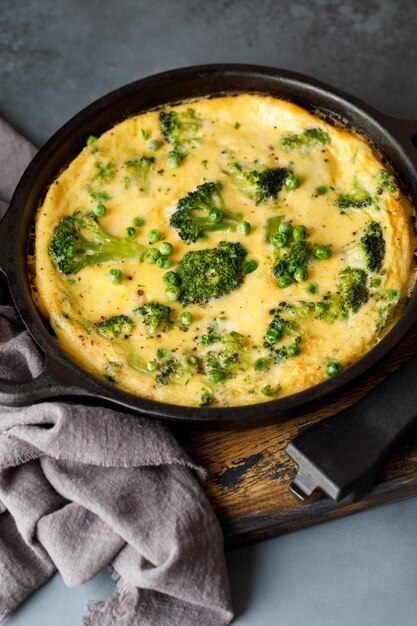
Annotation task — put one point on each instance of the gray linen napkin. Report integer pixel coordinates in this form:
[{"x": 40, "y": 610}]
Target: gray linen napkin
[{"x": 83, "y": 487}]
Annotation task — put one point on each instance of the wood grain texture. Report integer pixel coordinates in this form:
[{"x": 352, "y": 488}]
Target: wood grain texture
[{"x": 249, "y": 472}]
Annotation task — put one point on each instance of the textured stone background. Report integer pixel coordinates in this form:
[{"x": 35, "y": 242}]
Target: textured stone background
[{"x": 56, "y": 56}]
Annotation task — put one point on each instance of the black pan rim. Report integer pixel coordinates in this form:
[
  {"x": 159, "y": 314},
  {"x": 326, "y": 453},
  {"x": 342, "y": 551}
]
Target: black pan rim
[{"x": 67, "y": 370}]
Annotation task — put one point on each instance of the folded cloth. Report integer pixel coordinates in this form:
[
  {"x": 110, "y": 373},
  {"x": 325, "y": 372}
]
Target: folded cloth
[{"x": 82, "y": 487}]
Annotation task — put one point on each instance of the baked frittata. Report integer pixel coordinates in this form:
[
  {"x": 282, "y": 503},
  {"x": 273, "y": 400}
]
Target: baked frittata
[{"x": 223, "y": 252}]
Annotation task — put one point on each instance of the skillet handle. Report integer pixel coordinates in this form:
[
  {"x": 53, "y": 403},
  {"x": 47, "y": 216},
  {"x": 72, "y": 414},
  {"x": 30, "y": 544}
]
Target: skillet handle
[
  {"x": 53, "y": 382},
  {"x": 342, "y": 455},
  {"x": 45, "y": 387},
  {"x": 5, "y": 226}
]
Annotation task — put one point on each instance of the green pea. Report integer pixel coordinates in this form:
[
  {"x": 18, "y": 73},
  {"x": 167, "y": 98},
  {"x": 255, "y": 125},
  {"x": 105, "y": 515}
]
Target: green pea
[
  {"x": 312, "y": 288},
  {"x": 186, "y": 318},
  {"x": 216, "y": 376},
  {"x": 153, "y": 145},
  {"x": 161, "y": 353},
  {"x": 115, "y": 276},
  {"x": 244, "y": 228},
  {"x": 154, "y": 235},
  {"x": 166, "y": 248},
  {"x": 291, "y": 182},
  {"x": 293, "y": 349},
  {"x": 278, "y": 240},
  {"x": 205, "y": 398},
  {"x": 130, "y": 232},
  {"x": 173, "y": 293},
  {"x": 173, "y": 160},
  {"x": 285, "y": 228},
  {"x": 333, "y": 369},
  {"x": 138, "y": 222},
  {"x": 300, "y": 233},
  {"x": 261, "y": 364},
  {"x": 215, "y": 215},
  {"x": 393, "y": 294},
  {"x": 323, "y": 252},
  {"x": 171, "y": 278},
  {"x": 320, "y": 308},
  {"x": 322, "y": 190},
  {"x": 151, "y": 366},
  {"x": 375, "y": 282},
  {"x": 100, "y": 210},
  {"x": 250, "y": 266},
  {"x": 300, "y": 274},
  {"x": 151, "y": 256},
  {"x": 164, "y": 262},
  {"x": 90, "y": 139},
  {"x": 272, "y": 335},
  {"x": 204, "y": 340},
  {"x": 285, "y": 280},
  {"x": 268, "y": 391},
  {"x": 155, "y": 253}
]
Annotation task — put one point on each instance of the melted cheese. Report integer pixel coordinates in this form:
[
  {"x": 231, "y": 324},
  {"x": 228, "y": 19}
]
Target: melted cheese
[{"x": 73, "y": 304}]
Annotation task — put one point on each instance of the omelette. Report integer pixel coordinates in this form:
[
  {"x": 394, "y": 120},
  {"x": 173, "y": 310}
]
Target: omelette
[{"x": 223, "y": 252}]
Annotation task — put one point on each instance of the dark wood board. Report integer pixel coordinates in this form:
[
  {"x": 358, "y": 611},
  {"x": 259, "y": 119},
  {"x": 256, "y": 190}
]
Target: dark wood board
[{"x": 249, "y": 472}]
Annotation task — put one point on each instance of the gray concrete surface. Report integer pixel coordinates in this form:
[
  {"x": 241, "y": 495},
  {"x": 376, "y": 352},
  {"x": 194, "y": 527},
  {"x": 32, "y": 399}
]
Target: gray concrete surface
[{"x": 56, "y": 56}]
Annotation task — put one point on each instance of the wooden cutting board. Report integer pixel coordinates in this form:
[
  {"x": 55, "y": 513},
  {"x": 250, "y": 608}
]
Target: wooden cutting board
[{"x": 249, "y": 472}]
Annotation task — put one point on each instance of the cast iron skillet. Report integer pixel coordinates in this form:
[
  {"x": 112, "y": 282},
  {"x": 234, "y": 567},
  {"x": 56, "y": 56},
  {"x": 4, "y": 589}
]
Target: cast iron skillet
[{"x": 62, "y": 376}]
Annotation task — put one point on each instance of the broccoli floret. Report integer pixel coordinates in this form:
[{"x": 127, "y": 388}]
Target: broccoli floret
[
  {"x": 111, "y": 369},
  {"x": 370, "y": 252},
  {"x": 212, "y": 273},
  {"x": 257, "y": 184},
  {"x": 383, "y": 316},
  {"x": 205, "y": 398},
  {"x": 373, "y": 243},
  {"x": 105, "y": 173},
  {"x": 155, "y": 316},
  {"x": 308, "y": 139},
  {"x": 314, "y": 136},
  {"x": 180, "y": 129},
  {"x": 352, "y": 293},
  {"x": 298, "y": 255},
  {"x": 389, "y": 299},
  {"x": 226, "y": 360},
  {"x": 79, "y": 241},
  {"x": 303, "y": 309},
  {"x": 202, "y": 211},
  {"x": 98, "y": 196},
  {"x": 386, "y": 181},
  {"x": 139, "y": 170},
  {"x": 352, "y": 289},
  {"x": 279, "y": 329},
  {"x": 210, "y": 336},
  {"x": 269, "y": 391},
  {"x": 119, "y": 326},
  {"x": 166, "y": 369},
  {"x": 358, "y": 199}
]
